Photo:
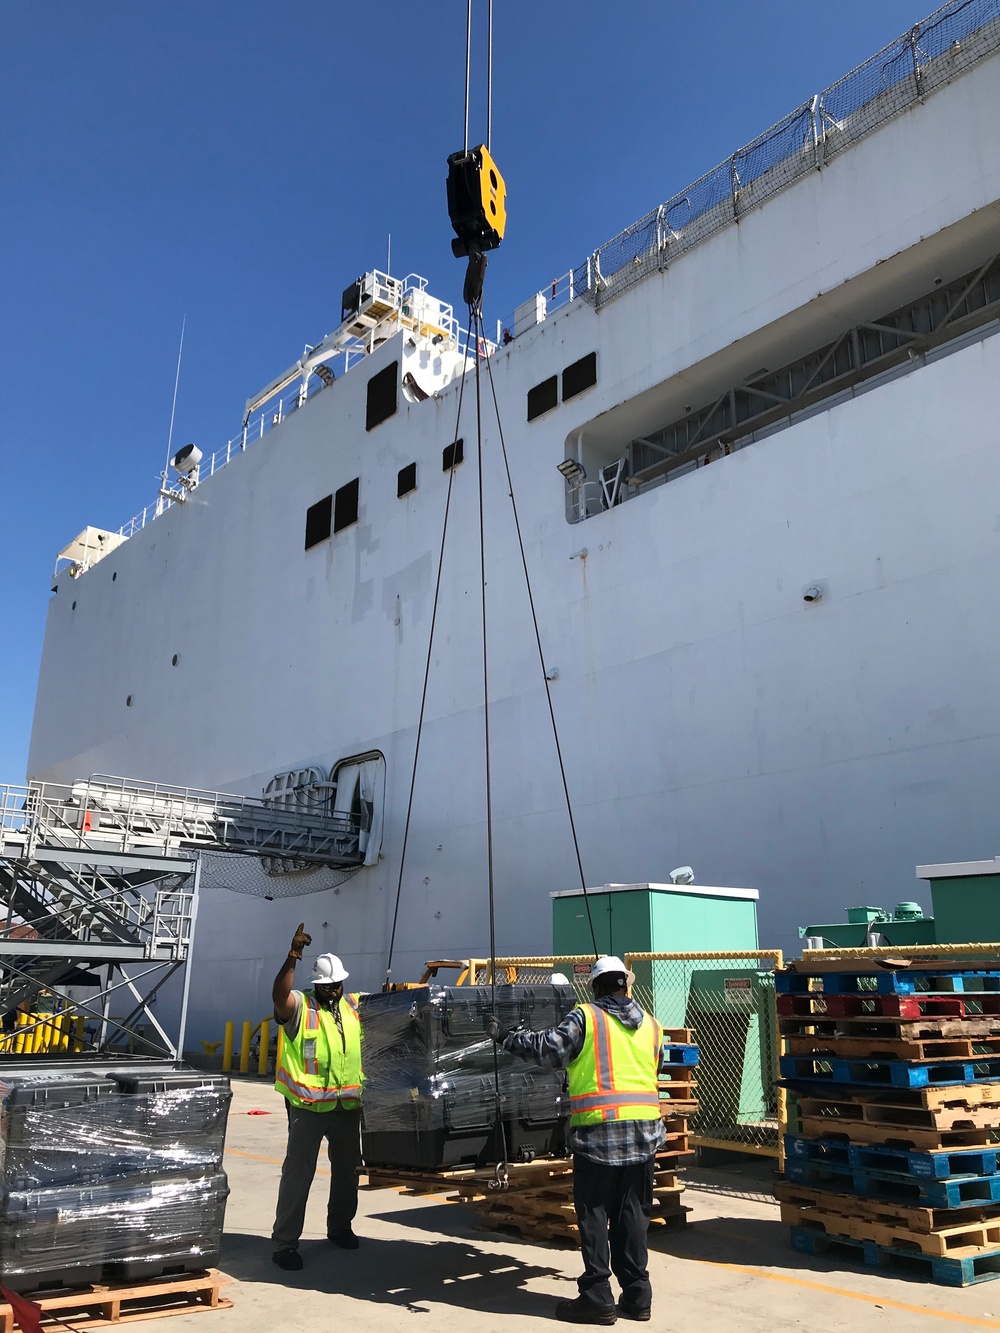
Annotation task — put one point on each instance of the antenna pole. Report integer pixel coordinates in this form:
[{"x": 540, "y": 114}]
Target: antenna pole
[
  {"x": 388, "y": 255},
  {"x": 165, "y": 475}
]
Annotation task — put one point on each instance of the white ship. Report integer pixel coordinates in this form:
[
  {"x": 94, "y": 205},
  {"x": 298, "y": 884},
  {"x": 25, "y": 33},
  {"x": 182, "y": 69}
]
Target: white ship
[{"x": 755, "y": 449}]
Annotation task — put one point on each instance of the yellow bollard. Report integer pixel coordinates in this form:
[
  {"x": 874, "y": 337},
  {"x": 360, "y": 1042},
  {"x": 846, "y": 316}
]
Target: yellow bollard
[
  {"x": 265, "y": 1042},
  {"x": 245, "y": 1047},
  {"x": 78, "y": 1033},
  {"x": 227, "y": 1048},
  {"x": 31, "y": 1036},
  {"x": 18, "y": 1033}
]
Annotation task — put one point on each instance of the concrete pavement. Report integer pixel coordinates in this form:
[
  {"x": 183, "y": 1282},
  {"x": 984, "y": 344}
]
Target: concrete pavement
[{"x": 422, "y": 1259}]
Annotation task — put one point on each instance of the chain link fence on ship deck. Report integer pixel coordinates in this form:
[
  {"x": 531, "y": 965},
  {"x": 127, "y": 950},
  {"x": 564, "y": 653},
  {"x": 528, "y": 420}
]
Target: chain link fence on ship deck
[
  {"x": 904, "y": 73},
  {"x": 728, "y": 1000}
]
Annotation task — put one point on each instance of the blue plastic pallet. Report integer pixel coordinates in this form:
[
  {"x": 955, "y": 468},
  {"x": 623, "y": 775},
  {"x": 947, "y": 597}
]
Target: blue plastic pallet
[
  {"x": 944, "y": 1270},
  {"x": 890, "y": 1073},
  {"x": 959, "y": 1192},
  {"x": 679, "y": 1055},
  {"x": 895, "y": 1161},
  {"x": 888, "y": 983}
]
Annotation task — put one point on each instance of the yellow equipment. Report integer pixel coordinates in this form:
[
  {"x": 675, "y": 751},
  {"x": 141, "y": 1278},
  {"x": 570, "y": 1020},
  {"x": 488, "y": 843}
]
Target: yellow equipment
[{"x": 477, "y": 201}]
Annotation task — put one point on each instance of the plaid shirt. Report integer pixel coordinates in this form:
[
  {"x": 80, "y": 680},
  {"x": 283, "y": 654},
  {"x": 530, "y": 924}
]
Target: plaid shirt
[{"x": 612, "y": 1142}]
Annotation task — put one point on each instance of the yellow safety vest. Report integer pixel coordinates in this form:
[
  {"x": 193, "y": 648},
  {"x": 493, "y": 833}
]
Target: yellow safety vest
[
  {"x": 317, "y": 1069},
  {"x": 615, "y": 1075}
]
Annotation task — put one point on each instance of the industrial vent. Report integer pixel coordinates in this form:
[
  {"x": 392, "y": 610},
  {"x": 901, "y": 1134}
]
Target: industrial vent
[
  {"x": 406, "y": 480},
  {"x": 580, "y": 375},
  {"x": 345, "y": 505},
  {"x": 452, "y": 455},
  {"x": 543, "y": 397},
  {"x": 382, "y": 396},
  {"x": 318, "y": 519}
]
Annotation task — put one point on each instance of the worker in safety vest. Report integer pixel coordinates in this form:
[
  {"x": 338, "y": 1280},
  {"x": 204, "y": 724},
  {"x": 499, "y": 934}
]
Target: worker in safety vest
[
  {"x": 611, "y": 1050},
  {"x": 319, "y": 1075}
]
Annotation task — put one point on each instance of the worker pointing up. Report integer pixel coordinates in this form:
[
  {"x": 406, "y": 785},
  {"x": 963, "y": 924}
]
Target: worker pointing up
[
  {"x": 319, "y": 1075},
  {"x": 611, "y": 1050}
]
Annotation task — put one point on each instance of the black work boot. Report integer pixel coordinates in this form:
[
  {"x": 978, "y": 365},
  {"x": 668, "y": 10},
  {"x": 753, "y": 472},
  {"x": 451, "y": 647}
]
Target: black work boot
[
  {"x": 629, "y": 1311},
  {"x": 290, "y": 1260},
  {"x": 582, "y": 1311},
  {"x": 346, "y": 1239}
]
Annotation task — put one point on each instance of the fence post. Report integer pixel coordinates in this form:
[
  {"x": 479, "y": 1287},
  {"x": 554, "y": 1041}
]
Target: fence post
[
  {"x": 734, "y": 185},
  {"x": 911, "y": 38}
]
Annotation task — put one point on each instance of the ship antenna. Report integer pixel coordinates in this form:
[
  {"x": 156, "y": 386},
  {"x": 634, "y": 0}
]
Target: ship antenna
[{"x": 165, "y": 475}]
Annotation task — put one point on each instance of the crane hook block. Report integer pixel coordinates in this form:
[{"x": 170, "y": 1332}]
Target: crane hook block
[{"x": 477, "y": 201}]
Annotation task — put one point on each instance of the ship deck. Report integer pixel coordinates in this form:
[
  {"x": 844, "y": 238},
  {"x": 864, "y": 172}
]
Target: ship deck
[{"x": 734, "y": 1268}]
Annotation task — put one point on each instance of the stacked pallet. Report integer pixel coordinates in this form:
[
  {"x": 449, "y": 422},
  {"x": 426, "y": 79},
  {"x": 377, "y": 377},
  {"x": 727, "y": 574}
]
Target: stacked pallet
[
  {"x": 896, "y": 1075},
  {"x": 537, "y": 1200}
]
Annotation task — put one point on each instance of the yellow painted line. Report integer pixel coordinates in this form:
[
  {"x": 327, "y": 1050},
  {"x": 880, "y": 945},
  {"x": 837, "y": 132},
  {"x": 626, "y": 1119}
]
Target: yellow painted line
[{"x": 883, "y": 1301}]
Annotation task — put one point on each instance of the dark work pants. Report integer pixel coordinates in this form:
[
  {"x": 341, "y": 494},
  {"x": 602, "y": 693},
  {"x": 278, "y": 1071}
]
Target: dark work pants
[
  {"x": 306, "y": 1131},
  {"x": 613, "y": 1204}
]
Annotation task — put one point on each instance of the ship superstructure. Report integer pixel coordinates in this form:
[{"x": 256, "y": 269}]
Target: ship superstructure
[{"x": 755, "y": 456}]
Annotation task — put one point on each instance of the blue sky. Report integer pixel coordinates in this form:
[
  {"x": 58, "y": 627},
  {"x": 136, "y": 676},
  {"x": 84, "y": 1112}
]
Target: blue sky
[{"x": 239, "y": 164}]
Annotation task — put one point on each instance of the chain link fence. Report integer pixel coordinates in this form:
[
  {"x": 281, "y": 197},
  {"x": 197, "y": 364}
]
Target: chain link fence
[
  {"x": 930, "y": 55},
  {"x": 728, "y": 1000}
]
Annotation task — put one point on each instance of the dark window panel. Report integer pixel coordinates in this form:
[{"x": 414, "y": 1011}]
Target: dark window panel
[
  {"x": 543, "y": 397},
  {"x": 318, "y": 519},
  {"x": 345, "y": 505},
  {"x": 452, "y": 455},
  {"x": 580, "y": 375},
  {"x": 406, "y": 479},
  {"x": 382, "y": 396}
]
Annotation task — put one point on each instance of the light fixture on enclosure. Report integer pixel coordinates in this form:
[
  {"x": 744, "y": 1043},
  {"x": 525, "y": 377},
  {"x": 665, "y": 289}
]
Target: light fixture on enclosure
[
  {"x": 682, "y": 875},
  {"x": 813, "y": 593},
  {"x": 185, "y": 463},
  {"x": 573, "y": 471}
]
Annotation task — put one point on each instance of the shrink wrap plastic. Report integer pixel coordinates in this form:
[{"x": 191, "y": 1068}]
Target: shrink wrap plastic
[
  {"x": 109, "y": 1172},
  {"x": 430, "y": 1095}
]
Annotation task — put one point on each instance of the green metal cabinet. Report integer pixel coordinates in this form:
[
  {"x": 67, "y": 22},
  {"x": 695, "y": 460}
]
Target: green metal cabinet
[
  {"x": 654, "y": 918},
  {"x": 966, "y": 899}
]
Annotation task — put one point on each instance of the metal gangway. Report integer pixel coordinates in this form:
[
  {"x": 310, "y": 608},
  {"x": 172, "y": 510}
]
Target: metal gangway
[{"x": 99, "y": 883}]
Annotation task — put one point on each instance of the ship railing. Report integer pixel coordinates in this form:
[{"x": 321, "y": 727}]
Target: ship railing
[{"x": 927, "y": 57}]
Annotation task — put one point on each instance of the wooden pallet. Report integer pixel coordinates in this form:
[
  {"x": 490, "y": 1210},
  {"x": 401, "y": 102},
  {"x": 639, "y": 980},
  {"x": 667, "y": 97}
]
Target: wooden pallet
[
  {"x": 963, "y": 1240},
  {"x": 910, "y": 1217},
  {"x": 935, "y": 1107},
  {"x": 96, "y": 1306},
  {"x": 860, "y": 1131},
  {"x": 893, "y": 1048},
  {"x": 873, "y": 1025}
]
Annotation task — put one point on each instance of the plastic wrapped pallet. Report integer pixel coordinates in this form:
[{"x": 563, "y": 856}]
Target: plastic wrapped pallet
[
  {"x": 109, "y": 1171},
  {"x": 432, "y": 1075}
]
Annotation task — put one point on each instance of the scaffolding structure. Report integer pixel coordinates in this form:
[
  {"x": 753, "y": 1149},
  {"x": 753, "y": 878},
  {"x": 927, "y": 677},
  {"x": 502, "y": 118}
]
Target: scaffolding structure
[{"x": 99, "y": 883}]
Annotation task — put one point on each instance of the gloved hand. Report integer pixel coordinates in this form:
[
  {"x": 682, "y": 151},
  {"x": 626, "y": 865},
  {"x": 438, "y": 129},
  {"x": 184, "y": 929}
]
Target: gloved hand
[
  {"x": 300, "y": 941},
  {"x": 496, "y": 1032}
]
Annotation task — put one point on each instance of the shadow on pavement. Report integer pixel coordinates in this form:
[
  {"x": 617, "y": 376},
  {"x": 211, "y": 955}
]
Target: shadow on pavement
[{"x": 399, "y": 1272}]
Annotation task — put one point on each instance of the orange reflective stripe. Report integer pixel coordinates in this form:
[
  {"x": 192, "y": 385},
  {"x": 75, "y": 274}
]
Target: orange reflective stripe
[
  {"x": 602, "y": 1048},
  {"x": 600, "y": 1101}
]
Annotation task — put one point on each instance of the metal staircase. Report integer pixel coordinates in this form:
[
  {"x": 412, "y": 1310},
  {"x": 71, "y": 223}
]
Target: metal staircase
[{"x": 99, "y": 887}]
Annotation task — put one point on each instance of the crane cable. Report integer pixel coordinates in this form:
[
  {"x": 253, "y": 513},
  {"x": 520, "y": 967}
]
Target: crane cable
[{"x": 427, "y": 671}]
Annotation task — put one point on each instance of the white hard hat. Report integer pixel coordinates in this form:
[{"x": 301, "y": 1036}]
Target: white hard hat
[
  {"x": 328, "y": 970},
  {"x": 611, "y": 964},
  {"x": 558, "y": 979}
]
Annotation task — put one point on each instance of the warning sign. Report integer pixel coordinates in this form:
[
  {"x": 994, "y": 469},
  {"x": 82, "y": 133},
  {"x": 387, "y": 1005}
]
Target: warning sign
[
  {"x": 737, "y": 991},
  {"x": 582, "y": 969}
]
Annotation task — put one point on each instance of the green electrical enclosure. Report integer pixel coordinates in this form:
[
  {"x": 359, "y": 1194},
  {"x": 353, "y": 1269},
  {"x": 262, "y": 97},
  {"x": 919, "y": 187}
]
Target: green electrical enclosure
[
  {"x": 728, "y": 1001},
  {"x": 966, "y": 899},
  {"x": 655, "y": 918}
]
